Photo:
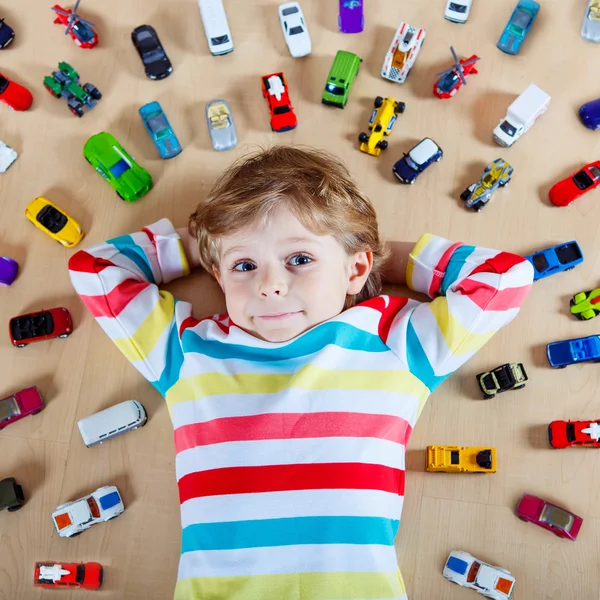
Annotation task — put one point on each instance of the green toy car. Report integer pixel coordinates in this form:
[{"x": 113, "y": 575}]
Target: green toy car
[
  {"x": 65, "y": 83},
  {"x": 111, "y": 160},
  {"x": 586, "y": 305},
  {"x": 343, "y": 71}
]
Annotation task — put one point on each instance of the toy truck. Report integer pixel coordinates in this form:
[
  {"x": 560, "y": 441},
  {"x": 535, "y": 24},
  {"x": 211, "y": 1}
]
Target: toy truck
[
  {"x": 511, "y": 376},
  {"x": 521, "y": 115},
  {"x": 460, "y": 459},
  {"x": 65, "y": 83}
]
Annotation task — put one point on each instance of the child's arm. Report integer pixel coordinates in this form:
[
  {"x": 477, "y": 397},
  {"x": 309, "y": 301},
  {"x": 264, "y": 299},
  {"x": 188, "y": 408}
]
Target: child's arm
[{"x": 394, "y": 271}]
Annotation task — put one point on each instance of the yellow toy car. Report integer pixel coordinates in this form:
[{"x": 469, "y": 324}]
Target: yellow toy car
[
  {"x": 460, "y": 459},
  {"x": 380, "y": 124},
  {"x": 53, "y": 221}
]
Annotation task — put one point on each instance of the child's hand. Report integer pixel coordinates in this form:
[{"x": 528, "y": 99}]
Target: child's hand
[{"x": 191, "y": 247}]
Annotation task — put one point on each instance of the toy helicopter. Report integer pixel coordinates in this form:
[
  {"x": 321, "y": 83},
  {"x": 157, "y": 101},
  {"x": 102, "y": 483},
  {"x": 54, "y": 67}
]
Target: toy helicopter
[
  {"x": 81, "y": 30},
  {"x": 451, "y": 79}
]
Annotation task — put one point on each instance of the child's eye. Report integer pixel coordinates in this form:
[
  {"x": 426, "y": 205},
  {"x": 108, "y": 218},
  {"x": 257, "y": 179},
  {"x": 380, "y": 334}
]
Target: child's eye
[
  {"x": 245, "y": 266},
  {"x": 302, "y": 259}
]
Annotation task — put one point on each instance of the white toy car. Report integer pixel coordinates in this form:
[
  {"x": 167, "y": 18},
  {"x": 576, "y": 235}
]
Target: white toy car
[
  {"x": 294, "y": 29},
  {"x": 457, "y": 11},
  {"x": 7, "y": 157},
  {"x": 402, "y": 53},
  {"x": 75, "y": 517},
  {"x": 492, "y": 582},
  {"x": 590, "y": 29}
]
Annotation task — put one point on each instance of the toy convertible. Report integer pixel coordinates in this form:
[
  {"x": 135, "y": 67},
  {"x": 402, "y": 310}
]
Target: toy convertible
[{"x": 41, "y": 325}]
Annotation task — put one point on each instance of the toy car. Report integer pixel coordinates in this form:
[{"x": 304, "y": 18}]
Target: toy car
[
  {"x": 351, "y": 17},
  {"x": 451, "y": 79},
  {"x": 458, "y": 11},
  {"x": 56, "y": 223},
  {"x": 275, "y": 91},
  {"x": 511, "y": 376},
  {"x": 216, "y": 27},
  {"x": 559, "y": 521},
  {"x": 160, "y": 130},
  {"x": 294, "y": 29},
  {"x": 11, "y": 494},
  {"x": 130, "y": 180},
  {"x": 16, "y": 96},
  {"x": 585, "y": 305},
  {"x": 8, "y": 270},
  {"x": 550, "y": 261},
  {"x": 80, "y": 29},
  {"x": 39, "y": 326},
  {"x": 7, "y": 157},
  {"x": 418, "y": 158},
  {"x": 7, "y": 34},
  {"x": 75, "y": 517},
  {"x": 589, "y": 113},
  {"x": 496, "y": 175},
  {"x": 65, "y": 83},
  {"x": 156, "y": 62},
  {"x": 68, "y": 575},
  {"x": 577, "y": 350},
  {"x": 402, "y": 53},
  {"x": 381, "y": 122},
  {"x": 489, "y": 581},
  {"x": 518, "y": 26},
  {"x": 221, "y": 127},
  {"x": 562, "y": 434},
  {"x": 590, "y": 29},
  {"x": 566, "y": 191},
  {"x": 19, "y": 405},
  {"x": 460, "y": 459},
  {"x": 343, "y": 71}
]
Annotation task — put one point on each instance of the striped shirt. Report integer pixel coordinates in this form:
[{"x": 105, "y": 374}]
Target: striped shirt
[{"x": 290, "y": 455}]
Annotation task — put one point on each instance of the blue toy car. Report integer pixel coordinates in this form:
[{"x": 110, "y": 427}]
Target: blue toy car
[
  {"x": 408, "y": 168},
  {"x": 518, "y": 26},
  {"x": 569, "y": 352},
  {"x": 160, "y": 131},
  {"x": 589, "y": 114},
  {"x": 7, "y": 35},
  {"x": 556, "y": 259}
]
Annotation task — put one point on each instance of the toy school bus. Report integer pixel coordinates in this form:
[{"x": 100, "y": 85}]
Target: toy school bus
[{"x": 461, "y": 459}]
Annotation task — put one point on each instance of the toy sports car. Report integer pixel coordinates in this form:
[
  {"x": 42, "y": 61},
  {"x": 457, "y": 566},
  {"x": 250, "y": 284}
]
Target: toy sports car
[
  {"x": 68, "y": 575},
  {"x": 518, "y": 26},
  {"x": 496, "y": 175},
  {"x": 566, "y": 191},
  {"x": 457, "y": 11},
  {"x": 402, "y": 53},
  {"x": 294, "y": 29},
  {"x": 7, "y": 34},
  {"x": 75, "y": 517},
  {"x": 351, "y": 17},
  {"x": 562, "y": 434},
  {"x": 55, "y": 222},
  {"x": 585, "y": 305},
  {"x": 559, "y": 521},
  {"x": 550, "y": 261},
  {"x": 39, "y": 326},
  {"x": 511, "y": 376},
  {"x": 8, "y": 270},
  {"x": 11, "y": 495},
  {"x": 569, "y": 352},
  {"x": 590, "y": 29},
  {"x": 275, "y": 91},
  {"x": 221, "y": 127},
  {"x": 416, "y": 160},
  {"x": 381, "y": 122},
  {"x": 160, "y": 130},
  {"x": 16, "y": 96},
  {"x": 20, "y": 405},
  {"x": 156, "y": 62}
]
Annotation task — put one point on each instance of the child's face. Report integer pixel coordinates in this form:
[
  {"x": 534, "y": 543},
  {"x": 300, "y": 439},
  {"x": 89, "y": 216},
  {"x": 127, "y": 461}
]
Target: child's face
[{"x": 281, "y": 279}]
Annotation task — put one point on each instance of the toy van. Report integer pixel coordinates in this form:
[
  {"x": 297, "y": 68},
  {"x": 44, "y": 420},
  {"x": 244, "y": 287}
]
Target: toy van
[
  {"x": 216, "y": 27},
  {"x": 115, "y": 420},
  {"x": 343, "y": 71}
]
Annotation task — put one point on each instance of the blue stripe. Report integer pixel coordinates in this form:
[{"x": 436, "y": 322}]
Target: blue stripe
[
  {"x": 173, "y": 360},
  {"x": 457, "y": 261},
  {"x": 418, "y": 363},
  {"x": 233, "y": 535},
  {"x": 128, "y": 248}
]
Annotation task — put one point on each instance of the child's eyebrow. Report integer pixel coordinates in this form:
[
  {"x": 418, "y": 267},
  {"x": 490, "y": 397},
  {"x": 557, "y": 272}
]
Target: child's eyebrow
[{"x": 291, "y": 240}]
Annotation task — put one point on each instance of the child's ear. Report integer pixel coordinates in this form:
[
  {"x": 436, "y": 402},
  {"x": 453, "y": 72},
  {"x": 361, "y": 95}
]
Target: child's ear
[
  {"x": 217, "y": 275},
  {"x": 361, "y": 264}
]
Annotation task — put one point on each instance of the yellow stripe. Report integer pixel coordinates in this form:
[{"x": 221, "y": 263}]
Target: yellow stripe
[
  {"x": 185, "y": 265},
  {"x": 139, "y": 345},
  {"x": 293, "y": 586},
  {"x": 414, "y": 253}
]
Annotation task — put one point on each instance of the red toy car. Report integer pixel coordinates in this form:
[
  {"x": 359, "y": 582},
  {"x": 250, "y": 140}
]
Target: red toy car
[
  {"x": 68, "y": 575},
  {"x": 569, "y": 189},
  {"x": 562, "y": 434},
  {"x": 19, "y": 405},
  {"x": 38, "y": 326},
  {"x": 15, "y": 95},
  {"x": 81, "y": 30},
  {"x": 275, "y": 90},
  {"x": 559, "y": 521}
]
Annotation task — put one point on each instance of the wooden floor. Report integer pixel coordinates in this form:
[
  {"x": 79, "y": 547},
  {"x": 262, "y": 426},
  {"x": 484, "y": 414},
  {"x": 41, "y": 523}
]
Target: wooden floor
[{"x": 85, "y": 373}]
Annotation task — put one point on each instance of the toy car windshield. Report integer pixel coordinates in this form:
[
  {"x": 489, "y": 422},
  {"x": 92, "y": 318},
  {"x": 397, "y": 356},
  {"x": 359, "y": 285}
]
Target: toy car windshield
[
  {"x": 582, "y": 180},
  {"x": 556, "y": 517},
  {"x": 119, "y": 168},
  {"x": 9, "y": 408},
  {"x": 281, "y": 110},
  {"x": 51, "y": 219},
  {"x": 219, "y": 40},
  {"x": 520, "y": 21},
  {"x": 146, "y": 42},
  {"x": 459, "y": 8},
  {"x": 508, "y": 128},
  {"x": 84, "y": 33},
  {"x": 3, "y": 83},
  {"x": 540, "y": 262},
  {"x": 158, "y": 125}
]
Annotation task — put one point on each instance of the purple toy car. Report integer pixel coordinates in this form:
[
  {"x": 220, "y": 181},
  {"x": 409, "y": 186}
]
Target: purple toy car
[
  {"x": 589, "y": 114},
  {"x": 351, "y": 19},
  {"x": 8, "y": 270}
]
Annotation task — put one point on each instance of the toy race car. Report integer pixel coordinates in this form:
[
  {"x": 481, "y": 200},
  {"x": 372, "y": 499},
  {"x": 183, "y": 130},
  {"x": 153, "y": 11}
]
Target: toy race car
[
  {"x": 418, "y": 158},
  {"x": 65, "y": 83},
  {"x": 351, "y": 18},
  {"x": 20, "y": 405},
  {"x": 68, "y": 575},
  {"x": 562, "y": 434},
  {"x": 81, "y": 30},
  {"x": 402, "y": 53},
  {"x": 75, "y": 517},
  {"x": 460, "y": 459},
  {"x": 518, "y": 26},
  {"x": 15, "y": 95},
  {"x": 130, "y": 180},
  {"x": 11, "y": 494},
  {"x": 490, "y": 581},
  {"x": 54, "y": 222},
  {"x": 7, "y": 157},
  {"x": 566, "y": 191},
  {"x": 7, "y": 34},
  {"x": 160, "y": 130},
  {"x": 154, "y": 58},
  {"x": 585, "y": 305},
  {"x": 556, "y": 259},
  {"x": 8, "y": 270},
  {"x": 275, "y": 91},
  {"x": 496, "y": 175},
  {"x": 559, "y": 521},
  {"x": 38, "y": 326},
  {"x": 511, "y": 376},
  {"x": 452, "y": 79},
  {"x": 569, "y": 352},
  {"x": 294, "y": 29},
  {"x": 221, "y": 127},
  {"x": 381, "y": 122}
]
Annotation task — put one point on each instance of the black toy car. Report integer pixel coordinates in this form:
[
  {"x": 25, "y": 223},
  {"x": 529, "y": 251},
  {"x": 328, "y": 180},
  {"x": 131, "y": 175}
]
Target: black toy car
[
  {"x": 11, "y": 495},
  {"x": 153, "y": 55},
  {"x": 7, "y": 35},
  {"x": 511, "y": 376}
]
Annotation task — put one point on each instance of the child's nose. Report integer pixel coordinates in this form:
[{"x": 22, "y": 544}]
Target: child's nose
[{"x": 273, "y": 283}]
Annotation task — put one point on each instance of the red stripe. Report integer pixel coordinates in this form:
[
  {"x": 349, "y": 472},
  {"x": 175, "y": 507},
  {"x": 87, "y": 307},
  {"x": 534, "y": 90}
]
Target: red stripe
[
  {"x": 111, "y": 304},
  {"x": 279, "y": 478},
  {"x": 395, "y": 305},
  {"x": 501, "y": 263},
  {"x": 83, "y": 262},
  {"x": 188, "y": 323},
  {"x": 278, "y": 426},
  {"x": 440, "y": 269},
  {"x": 489, "y": 298}
]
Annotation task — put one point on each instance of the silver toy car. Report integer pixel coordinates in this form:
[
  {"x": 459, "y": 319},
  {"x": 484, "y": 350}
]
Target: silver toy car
[
  {"x": 221, "y": 125},
  {"x": 496, "y": 174},
  {"x": 590, "y": 30}
]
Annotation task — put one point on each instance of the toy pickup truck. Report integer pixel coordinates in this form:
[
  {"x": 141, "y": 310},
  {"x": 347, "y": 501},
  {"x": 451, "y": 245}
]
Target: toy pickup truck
[
  {"x": 460, "y": 459},
  {"x": 511, "y": 376}
]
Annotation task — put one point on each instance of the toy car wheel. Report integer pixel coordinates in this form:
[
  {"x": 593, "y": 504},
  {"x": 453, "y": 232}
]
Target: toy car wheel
[
  {"x": 518, "y": 387},
  {"x": 36, "y": 412},
  {"x": 52, "y": 92},
  {"x": 522, "y": 519},
  {"x": 378, "y": 102},
  {"x": 400, "y": 107},
  {"x": 21, "y": 345},
  {"x": 439, "y": 158},
  {"x": 465, "y": 195},
  {"x": 363, "y": 138},
  {"x": 19, "y": 491},
  {"x": 63, "y": 335},
  {"x": 120, "y": 196},
  {"x": 15, "y": 508},
  {"x": 113, "y": 517},
  {"x": 383, "y": 144},
  {"x": 75, "y": 534},
  {"x": 76, "y": 110},
  {"x": 86, "y": 158}
]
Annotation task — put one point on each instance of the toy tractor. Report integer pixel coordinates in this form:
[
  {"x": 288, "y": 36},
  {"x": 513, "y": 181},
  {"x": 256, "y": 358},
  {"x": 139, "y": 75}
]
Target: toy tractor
[{"x": 65, "y": 83}]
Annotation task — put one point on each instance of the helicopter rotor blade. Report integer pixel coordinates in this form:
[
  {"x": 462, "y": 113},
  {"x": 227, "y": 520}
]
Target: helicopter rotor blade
[
  {"x": 462, "y": 76},
  {"x": 60, "y": 12},
  {"x": 454, "y": 55},
  {"x": 74, "y": 10}
]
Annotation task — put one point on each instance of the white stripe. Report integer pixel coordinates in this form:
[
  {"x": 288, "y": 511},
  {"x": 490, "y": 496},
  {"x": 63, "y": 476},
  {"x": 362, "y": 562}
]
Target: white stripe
[{"x": 104, "y": 282}]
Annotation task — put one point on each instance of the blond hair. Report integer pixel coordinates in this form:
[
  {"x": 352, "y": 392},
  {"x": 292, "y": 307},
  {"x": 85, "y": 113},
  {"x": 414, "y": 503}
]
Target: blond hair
[{"x": 315, "y": 186}]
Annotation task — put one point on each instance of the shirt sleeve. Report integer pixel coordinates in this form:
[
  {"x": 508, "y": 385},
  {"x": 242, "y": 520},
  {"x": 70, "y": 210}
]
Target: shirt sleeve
[
  {"x": 475, "y": 291},
  {"x": 118, "y": 282}
]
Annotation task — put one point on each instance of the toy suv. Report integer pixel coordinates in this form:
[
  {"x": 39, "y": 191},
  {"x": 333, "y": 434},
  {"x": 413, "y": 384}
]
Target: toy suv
[
  {"x": 11, "y": 495},
  {"x": 380, "y": 124},
  {"x": 511, "y": 376},
  {"x": 343, "y": 71},
  {"x": 65, "y": 83},
  {"x": 496, "y": 175}
]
